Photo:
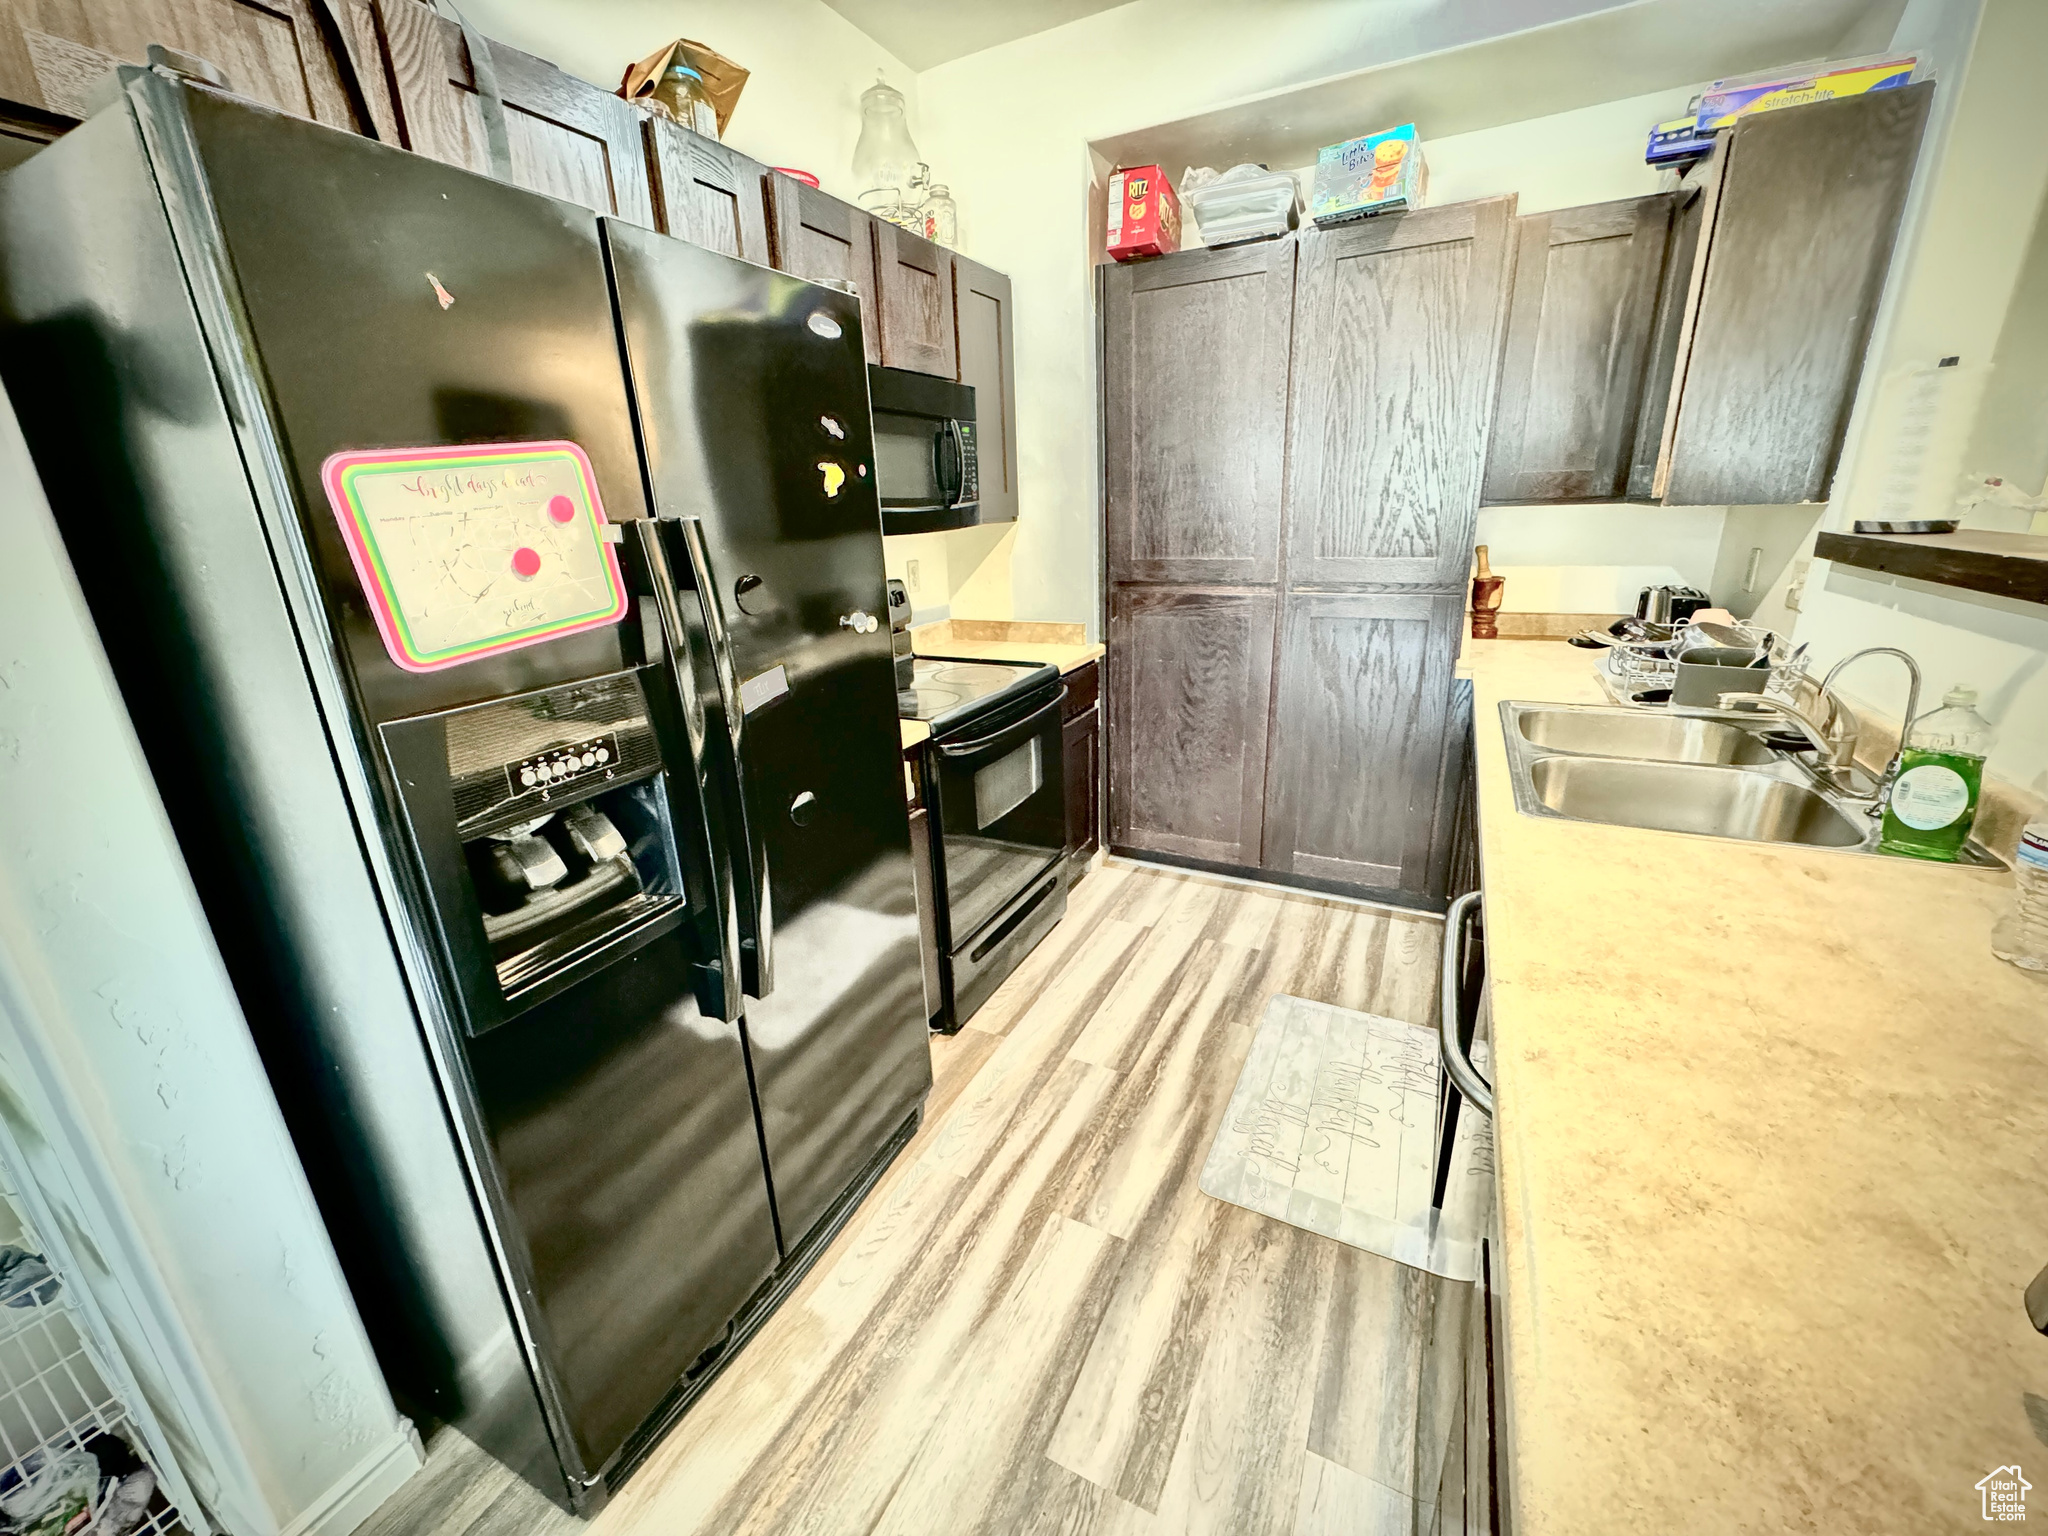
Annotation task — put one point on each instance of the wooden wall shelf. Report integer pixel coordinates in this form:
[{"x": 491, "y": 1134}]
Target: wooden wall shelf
[{"x": 1982, "y": 560}]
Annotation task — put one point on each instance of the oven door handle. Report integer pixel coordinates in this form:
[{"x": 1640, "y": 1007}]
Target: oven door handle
[
  {"x": 757, "y": 923},
  {"x": 1464, "y": 1076},
  {"x": 1016, "y": 728}
]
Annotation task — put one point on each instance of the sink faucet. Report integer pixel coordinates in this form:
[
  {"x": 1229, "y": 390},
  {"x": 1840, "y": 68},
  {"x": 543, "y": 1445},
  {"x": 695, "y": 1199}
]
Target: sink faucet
[
  {"x": 1891, "y": 769},
  {"x": 1827, "y": 750}
]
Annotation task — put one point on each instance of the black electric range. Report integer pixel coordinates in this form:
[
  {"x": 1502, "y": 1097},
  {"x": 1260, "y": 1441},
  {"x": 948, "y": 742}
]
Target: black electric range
[
  {"x": 995, "y": 790},
  {"x": 946, "y": 692}
]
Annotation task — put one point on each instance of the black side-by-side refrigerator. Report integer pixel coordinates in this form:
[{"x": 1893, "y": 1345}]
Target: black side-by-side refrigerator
[{"x": 496, "y": 591}]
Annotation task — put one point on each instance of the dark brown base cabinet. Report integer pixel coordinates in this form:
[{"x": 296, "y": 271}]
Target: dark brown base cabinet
[
  {"x": 1294, "y": 440},
  {"x": 1081, "y": 754}
]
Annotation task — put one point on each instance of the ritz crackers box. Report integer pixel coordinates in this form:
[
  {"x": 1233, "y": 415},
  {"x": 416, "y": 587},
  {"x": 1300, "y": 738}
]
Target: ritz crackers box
[{"x": 1144, "y": 215}]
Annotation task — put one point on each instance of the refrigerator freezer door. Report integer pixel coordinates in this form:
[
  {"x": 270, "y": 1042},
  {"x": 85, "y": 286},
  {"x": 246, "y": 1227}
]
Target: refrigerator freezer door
[
  {"x": 750, "y": 390},
  {"x": 622, "y": 1121}
]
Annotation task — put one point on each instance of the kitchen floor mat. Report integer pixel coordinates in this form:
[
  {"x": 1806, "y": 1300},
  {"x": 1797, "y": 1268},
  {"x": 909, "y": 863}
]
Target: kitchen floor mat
[{"x": 1333, "y": 1127}]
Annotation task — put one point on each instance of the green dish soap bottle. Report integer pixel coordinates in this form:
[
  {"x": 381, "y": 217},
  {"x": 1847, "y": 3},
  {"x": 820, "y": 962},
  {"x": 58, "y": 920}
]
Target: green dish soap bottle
[{"x": 1933, "y": 801}]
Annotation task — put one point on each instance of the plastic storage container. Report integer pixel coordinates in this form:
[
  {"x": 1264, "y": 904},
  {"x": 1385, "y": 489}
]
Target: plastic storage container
[{"x": 1247, "y": 202}]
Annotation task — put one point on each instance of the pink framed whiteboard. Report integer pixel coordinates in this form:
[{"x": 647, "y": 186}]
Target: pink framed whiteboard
[{"x": 467, "y": 552}]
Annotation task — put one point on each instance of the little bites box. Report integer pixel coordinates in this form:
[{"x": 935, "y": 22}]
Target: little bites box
[
  {"x": 1144, "y": 215},
  {"x": 1380, "y": 173}
]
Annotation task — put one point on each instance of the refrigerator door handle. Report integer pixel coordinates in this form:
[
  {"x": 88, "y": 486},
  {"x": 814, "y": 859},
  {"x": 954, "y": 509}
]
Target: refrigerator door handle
[
  {"x": 728, "y": 1005},
  {"x": 757, "y": 949}
]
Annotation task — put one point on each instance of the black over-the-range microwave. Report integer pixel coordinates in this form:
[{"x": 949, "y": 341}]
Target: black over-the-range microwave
[{"x": 927, "y": 460}]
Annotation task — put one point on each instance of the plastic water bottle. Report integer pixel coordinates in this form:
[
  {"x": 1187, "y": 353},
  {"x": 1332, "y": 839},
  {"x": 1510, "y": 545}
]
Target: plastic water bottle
[{"x": 2021, "y": 936}]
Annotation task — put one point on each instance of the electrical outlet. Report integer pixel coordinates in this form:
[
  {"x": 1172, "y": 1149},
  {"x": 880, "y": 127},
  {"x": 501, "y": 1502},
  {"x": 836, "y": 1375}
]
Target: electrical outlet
[
  {"x": 1795, "y": 592},
  {"x": 1756, "y": 563},
  {"x": 910, "y": 576}
]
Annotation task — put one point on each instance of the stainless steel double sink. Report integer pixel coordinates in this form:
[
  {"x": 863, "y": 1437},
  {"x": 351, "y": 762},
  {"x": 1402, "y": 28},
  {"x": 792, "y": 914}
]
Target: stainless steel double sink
[{"x": 1677, "y": 773}]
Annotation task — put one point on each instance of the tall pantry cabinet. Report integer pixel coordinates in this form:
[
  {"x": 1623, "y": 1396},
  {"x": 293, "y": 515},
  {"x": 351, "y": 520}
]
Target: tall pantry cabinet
[{"x": 1294, "y": 441}]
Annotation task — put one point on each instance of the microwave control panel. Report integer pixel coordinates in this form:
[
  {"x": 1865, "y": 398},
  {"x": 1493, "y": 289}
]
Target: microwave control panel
[{"x": 970, "y": 463}]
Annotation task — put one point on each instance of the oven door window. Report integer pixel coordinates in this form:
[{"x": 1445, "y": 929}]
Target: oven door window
[
  {"x": 1002, "y": 821},
  {"x": 1007, "y": 783}
]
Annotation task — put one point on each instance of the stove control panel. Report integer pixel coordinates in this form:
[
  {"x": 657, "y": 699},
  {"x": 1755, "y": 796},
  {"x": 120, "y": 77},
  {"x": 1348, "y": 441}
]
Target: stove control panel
[{"x": 596, "y": 757}]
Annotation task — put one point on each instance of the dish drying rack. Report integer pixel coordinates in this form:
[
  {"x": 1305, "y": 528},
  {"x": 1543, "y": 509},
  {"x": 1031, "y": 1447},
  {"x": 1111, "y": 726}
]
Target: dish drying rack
[
  {"x": 1625, "y": 671},
  {"x": 54, "y": 1396}
]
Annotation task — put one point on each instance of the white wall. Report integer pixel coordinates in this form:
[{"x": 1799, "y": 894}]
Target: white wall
[
  {"x": 134, "y": 1088},
  {"x": 1009, "y": 130},
  {"x": 1597, "y": 559},
  {"x": 809, "y": 64},
  {"x": 1963, "y": 249}
]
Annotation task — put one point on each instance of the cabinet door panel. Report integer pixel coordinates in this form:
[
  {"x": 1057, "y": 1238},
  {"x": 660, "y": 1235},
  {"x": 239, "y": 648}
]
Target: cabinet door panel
[
  {"x": 914, "y": 290},
  {"x": 53, "y": 53},
  {"x": 1796, "y": 259},
  {"x": 1195, "y": 353},
  {"x": 1081, "y": 753},
  {"x": 567, "y": 138},
  {"x": 1189, "y": 675},
  {"x": 817, "y": 236},
  {"x": 1358, "y": 736},
  {"x": 1397, "y": 337},
  {"x": 988, "y": 361},
  {"x": 706, "y": 193},
  {"x": 1580, "y": 315}
]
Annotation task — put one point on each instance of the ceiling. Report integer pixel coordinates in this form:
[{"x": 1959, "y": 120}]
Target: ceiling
[{"x": 924, "y": 33}]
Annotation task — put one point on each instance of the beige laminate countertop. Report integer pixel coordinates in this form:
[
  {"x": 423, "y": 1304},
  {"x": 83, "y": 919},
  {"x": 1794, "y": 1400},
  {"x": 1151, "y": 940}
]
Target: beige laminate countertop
[{"x": 1773, "y": 1169}]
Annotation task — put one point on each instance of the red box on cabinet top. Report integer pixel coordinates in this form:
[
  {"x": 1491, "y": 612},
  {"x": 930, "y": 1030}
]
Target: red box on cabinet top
[{"x": 1144, "y": 214}]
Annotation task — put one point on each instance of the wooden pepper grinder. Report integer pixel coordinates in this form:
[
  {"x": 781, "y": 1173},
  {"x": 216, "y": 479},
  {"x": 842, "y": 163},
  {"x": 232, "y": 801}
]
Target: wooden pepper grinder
[{"x": 1486, "y": 592}]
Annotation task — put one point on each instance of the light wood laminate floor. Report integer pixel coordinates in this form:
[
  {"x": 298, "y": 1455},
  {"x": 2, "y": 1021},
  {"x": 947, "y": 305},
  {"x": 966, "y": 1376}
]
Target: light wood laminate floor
[{"x": 1037, "y": 1322}]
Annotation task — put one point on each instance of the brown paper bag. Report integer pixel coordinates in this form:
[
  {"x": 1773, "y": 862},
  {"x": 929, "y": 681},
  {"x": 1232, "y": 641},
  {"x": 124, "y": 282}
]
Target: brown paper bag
[{"x": 723, "y": 79}]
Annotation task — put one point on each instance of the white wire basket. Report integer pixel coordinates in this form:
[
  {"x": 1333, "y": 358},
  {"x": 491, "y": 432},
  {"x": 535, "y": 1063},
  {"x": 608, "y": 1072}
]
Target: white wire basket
[{"x": 54, "y": 1398}]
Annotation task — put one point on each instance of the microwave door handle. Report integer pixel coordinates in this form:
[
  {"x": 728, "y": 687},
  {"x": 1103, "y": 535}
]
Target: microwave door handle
[
  {"x": 727, "y": 1004},
  {"x": 757, "y": 960},
  {"x": 941, "y": 442},
  {"x": 959, "y": 463}
]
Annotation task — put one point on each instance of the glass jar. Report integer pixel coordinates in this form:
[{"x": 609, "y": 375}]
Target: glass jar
[
  {"x": 941, "y": 216},
  {"x": 885, "y": 159},
  {"x": 681, "y": 90}
]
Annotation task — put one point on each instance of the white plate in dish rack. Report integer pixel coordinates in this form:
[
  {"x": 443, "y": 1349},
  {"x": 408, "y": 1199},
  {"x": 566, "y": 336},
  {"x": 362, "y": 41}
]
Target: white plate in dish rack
[{"x": 1332, "y": 1127}]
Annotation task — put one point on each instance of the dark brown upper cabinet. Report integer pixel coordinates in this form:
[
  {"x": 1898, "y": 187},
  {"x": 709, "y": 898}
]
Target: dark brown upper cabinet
[
  {"x": 914, "y": 292},
  {"x": 1582, "y": 310},
  {"x": 1190, "y": 683},
  {"x": 1801, "y": 209},
  {"x": 1354, "y": 785},
  {"x": 1396, "y": 337},
  {"x": 707, "y": 193},
  {"x": 988, "y": 361},
  {"x": 567, "y": 138},
  {"x": 288, "y": 54},
  {"x": 815, "y": 235},
  {"x": 1194, "y": 380}
]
